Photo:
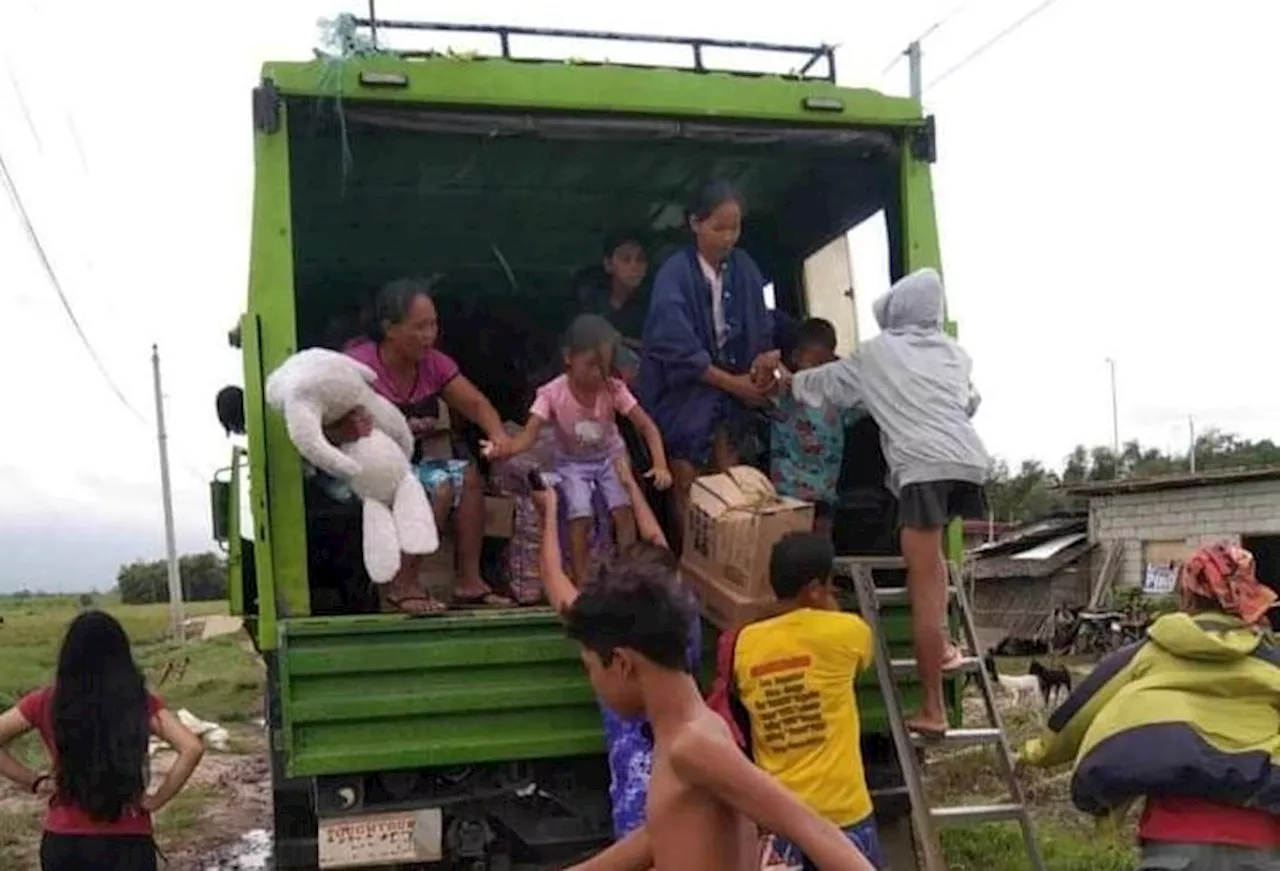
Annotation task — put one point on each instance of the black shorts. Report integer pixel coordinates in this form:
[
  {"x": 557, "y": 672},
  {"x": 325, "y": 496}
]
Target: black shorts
[
  {"x": 97, "y": 853},
  {"x": 934, "y": 504}
]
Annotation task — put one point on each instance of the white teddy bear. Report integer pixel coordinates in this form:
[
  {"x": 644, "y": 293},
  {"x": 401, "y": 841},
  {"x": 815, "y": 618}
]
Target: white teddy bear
[{"x": 317, "y": 387}]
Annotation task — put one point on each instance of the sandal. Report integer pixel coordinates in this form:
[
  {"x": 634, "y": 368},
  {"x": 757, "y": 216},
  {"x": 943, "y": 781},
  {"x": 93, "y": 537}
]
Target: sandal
[
  {"x": 410, "y": 605},
  {"x": 927, "y": 731},
  {"x": 488, "y": 599}
]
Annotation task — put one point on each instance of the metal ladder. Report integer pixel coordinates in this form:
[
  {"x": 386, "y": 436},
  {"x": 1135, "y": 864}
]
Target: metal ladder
[{"x": 926, "y": 820}]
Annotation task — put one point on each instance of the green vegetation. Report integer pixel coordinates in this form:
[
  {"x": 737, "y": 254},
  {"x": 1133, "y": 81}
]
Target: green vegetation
[
  {"x": 204, "y": 579},
  {"x": 1065, "y": 848},
  {"x": 1034, "y": 491}
]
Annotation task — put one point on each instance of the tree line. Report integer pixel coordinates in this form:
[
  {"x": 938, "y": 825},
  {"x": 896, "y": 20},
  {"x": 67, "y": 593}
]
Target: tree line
[
  {"x": 1036, "y": 491},
  {"x": 204, "y": 579}
]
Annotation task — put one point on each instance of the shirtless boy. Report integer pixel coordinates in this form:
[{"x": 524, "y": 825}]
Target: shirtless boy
[{"x": 705, "y": 797}]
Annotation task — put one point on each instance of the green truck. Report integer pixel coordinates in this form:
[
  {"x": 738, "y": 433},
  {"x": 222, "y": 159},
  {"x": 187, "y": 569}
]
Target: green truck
[{"x": 472, "y": 738}]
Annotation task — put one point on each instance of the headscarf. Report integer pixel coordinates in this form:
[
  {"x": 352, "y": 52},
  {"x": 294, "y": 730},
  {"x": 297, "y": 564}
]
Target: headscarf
[{"x": 1224, "y": 573}]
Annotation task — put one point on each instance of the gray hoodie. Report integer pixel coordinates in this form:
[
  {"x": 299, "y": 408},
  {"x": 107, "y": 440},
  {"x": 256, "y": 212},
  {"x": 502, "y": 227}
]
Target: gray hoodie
[{"x": 913, "y": 379}]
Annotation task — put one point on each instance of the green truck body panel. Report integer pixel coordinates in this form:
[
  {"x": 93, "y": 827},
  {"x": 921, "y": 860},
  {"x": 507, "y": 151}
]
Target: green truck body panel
[
  {"x": 377, "y": 694},
  {"x": 372, "y": 693},
  {"x": 598, "y": 88}
]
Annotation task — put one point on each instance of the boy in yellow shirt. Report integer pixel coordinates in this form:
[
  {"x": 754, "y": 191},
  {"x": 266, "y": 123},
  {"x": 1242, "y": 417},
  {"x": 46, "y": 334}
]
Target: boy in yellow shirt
[{"x": 793, "y": 674}]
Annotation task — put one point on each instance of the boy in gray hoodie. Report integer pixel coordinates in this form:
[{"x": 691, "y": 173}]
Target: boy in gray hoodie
[{"x": 914, "y": 381}]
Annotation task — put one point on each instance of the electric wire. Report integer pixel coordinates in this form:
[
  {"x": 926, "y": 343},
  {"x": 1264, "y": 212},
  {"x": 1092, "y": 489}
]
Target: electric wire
[{"x": 990, "y": 43}]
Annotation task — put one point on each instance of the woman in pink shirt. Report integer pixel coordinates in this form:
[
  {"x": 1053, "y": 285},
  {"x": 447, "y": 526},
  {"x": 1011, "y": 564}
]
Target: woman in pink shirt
[{"x": 414, "y": 375}]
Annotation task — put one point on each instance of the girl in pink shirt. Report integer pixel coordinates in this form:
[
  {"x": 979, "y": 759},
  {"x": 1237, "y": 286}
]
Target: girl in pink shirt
[{"x": 582, "y": 405}]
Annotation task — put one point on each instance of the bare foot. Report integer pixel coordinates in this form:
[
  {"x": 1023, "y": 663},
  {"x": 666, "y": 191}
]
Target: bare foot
[{"x": 952, "y": 658}]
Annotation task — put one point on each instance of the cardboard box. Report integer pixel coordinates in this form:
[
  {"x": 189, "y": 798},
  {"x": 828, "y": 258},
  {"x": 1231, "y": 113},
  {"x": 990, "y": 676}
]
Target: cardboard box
[
  {"x": 733, "y": 523},
  {"x": 721, "y": 605},
  {"x": 499, "y": 516}
]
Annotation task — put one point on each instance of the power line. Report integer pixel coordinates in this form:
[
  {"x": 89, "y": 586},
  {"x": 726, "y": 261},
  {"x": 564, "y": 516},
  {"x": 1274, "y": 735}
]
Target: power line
[
  {"x": 984, "y": 47},
  {"x": 7, "y": 179},
  {"x": 10, "y": 186},
  {"x": 929, "y": 31}
]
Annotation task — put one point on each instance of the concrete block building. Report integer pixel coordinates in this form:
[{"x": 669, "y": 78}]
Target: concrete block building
[{"x": 1152, "y": 524}]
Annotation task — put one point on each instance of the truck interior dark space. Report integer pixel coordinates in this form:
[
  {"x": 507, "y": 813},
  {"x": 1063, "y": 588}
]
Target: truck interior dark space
[{"x": 500, "y": 212}]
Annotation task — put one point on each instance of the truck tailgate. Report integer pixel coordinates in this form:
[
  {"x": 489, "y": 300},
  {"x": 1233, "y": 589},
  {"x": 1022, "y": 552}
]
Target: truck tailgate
[{"x": 379, "y": 693}]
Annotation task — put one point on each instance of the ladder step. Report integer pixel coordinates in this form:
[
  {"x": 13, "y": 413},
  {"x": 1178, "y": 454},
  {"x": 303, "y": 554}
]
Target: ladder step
[
  {"x": 969, "y": 815},
  {"x": 960, "y": 737},
  {"x": 875, "y": 563},
  {"x": 905, "y": 667},
  {"x": 899, "y": 595}
]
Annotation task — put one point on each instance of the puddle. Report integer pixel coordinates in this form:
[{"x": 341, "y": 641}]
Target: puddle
[{"x": 251, "y": 853}]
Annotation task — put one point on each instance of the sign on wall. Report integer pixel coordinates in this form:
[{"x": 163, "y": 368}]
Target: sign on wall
[{"x": 1160, "y": 579}]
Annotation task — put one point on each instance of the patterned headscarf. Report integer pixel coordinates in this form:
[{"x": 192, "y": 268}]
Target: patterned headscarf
[{"x": 1224, "y": 573}]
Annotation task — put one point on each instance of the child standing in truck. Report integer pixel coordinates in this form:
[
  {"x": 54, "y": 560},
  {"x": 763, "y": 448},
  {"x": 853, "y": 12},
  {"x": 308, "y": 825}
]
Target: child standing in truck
[
  {"x": 807, "y": 444},
  {"x": 582, "y": 405},
  {"x": 914, "y": 381}
]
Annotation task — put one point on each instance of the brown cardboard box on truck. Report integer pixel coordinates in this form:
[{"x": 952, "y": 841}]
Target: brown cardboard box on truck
[
  {"x": 721, "y": 605},
  {"x": 733, "y": 523}
]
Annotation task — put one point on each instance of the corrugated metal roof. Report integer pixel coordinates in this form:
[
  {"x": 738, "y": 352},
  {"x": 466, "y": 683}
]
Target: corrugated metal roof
[{"x": 1046, "y": 550}]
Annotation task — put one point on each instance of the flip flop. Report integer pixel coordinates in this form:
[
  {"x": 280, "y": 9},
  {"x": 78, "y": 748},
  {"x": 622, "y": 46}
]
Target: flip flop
[
  {"x": 396, "y": 605},
  {"x": 928, "y": 733},
  {"x": 489, "y": 599}
]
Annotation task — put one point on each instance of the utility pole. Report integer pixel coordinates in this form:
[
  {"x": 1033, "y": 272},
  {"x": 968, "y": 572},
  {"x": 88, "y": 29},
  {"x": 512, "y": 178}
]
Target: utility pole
[
  {"x": 917, "y": 74},
  {"x": 1191, "y": 453},
  {"x": 1115, "y": 415},
  {"x": 176, "y": 618}
]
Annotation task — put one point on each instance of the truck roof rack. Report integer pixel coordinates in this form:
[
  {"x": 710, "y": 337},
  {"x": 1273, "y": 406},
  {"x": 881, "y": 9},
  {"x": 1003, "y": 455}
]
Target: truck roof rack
[{"x": 812, "y": 54}]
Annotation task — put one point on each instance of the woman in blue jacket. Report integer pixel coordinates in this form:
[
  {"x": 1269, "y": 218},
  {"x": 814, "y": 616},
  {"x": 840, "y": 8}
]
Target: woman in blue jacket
[{"x": 707, "y": 326}]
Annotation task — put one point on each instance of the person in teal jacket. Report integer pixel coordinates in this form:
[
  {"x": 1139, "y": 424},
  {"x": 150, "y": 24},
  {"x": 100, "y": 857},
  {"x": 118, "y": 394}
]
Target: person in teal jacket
[{"x": 1188, "y": 719}]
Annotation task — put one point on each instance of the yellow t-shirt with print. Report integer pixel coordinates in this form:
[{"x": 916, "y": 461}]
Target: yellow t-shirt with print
[{"x": 794, "y": 674}]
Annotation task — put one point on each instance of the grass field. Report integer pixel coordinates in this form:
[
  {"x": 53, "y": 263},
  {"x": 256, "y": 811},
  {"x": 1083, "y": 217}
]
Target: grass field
[{"x": 223, "y": 682}]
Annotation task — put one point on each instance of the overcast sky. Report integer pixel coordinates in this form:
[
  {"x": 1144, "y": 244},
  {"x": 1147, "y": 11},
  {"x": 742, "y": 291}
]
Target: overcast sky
[{"x": 1105, "y": 188}]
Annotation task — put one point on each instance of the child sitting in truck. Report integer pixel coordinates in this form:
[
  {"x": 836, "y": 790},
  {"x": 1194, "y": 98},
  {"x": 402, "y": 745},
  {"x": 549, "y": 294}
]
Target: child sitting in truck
[
  {"x": 582, "y": 405},
  {"x": 705, "y": 799},
  {"x": 793, "y": 675},
  {"x": 807, "y": 444},
  {"x": 914, "y": 381}
]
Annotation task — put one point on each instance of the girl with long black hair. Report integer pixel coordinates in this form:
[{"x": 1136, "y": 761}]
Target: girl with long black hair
[{"x": 96, "y": 721}]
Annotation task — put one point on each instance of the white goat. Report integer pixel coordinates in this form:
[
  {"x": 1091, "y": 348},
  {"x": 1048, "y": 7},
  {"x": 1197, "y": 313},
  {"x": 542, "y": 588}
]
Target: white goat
[{"x": 1022, "y": 687}]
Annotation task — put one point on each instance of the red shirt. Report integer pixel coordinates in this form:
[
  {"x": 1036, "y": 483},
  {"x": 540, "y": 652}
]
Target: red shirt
[
  {"x": 1194, "y": 821},
  {"x": 63, "y": 817}
]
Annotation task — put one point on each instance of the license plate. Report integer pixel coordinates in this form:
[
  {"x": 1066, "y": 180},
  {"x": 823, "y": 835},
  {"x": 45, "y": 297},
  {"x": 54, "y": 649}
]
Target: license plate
[{"x": 380, "y": 839}]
